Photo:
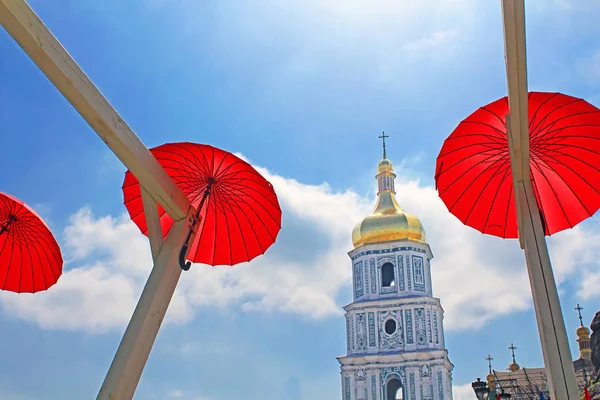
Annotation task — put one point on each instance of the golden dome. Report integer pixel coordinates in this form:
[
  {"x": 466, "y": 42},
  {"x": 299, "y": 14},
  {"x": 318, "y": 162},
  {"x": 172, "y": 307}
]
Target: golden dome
[
  {"x": 514, "y": 367},
  {"x": 385, "y": 165},
  {"x": 388, "y": 221},
  {"x": 583, "y": 331}
]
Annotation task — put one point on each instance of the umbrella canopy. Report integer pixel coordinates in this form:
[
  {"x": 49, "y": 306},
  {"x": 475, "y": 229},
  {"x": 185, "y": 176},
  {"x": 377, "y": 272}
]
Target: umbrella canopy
[
  {"x": 474, "y": 176},
  {"x": 30, "y": 258},
  {"x": 239, "y": 210}
]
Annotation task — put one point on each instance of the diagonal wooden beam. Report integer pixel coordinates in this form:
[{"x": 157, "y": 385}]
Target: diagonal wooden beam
[
  {"x": 551, "y": 325},
  {"x": 513, "y": 18},
  {"x": 21, "y": 22}
]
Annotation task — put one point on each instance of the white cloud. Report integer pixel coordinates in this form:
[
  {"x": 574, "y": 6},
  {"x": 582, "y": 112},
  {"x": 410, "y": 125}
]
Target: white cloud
[
  {"x": 430, "y": 41},
  {"x": 463, "y": 392},
  {"x": 477, "y": 277},
  {"x": 175, "y": 394}
]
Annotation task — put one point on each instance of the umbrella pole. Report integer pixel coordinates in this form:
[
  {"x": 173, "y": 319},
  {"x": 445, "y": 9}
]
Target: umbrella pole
[
  {"x": 551, "y": 325},
  {"x": 126, "y": 369}
]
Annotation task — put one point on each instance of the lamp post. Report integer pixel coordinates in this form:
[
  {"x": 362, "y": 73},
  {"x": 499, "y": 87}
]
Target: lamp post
[{"x": 481, "y": 389}]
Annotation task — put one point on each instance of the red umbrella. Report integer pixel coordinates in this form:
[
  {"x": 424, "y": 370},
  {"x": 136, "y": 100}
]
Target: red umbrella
[
  {"x": 30, "y": 258},
  {"x": 240, "y": 214},
  {"x": 474, "y": 176}
]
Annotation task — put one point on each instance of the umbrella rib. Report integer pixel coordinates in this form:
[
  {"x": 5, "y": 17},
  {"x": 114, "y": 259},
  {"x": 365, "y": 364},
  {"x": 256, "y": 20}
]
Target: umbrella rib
[
  {"x": 505, "y": 172},
  {"x": 534, "y": 116},
  {"x": 569, "y": 186},
  {"x": 229, "y": 194},
  {"x": 240, "y": 198},
  {"x": 7, "y": 233},
  {"x": 536, "y": 131},
  {"x": 487, "y": 183},
  {"x": 501, "y": 158}
]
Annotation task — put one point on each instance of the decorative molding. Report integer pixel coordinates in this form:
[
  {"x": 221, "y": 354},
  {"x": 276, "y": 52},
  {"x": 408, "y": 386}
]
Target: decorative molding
[
  {"x": 390, "y": 372},
  {"x": 429, "y": 335},
  {"x": 347, "y": 388},
  {"x": 404, "y": 303},
  {"x": 352, "y": 333},
  {"x": 409, "y": 327},
  {"x": 372, "y": 339},
  {"x": 361, "y": 331},
  {"x": 408, "y": 278},
  {"x": 360, "y": 385},
  {"x": 435, "y": 327},
  {"x": 418, "y": 273},
  {"x": 392, "y": 250},
  {"x": 358, "y": 280},
  {"x": 395, "y": 340},
  {"x": 420, "y": 327},
  {"x": 440, "y": 382},
  {"x": 373, "y": 276},
  {"x": 401, "y": 273},
  {"x": 411, "y": 385},
  {"x": 366, "y": 273},
  {"x": 373, "y": 387},
  {"x": 348, "y": 338}
]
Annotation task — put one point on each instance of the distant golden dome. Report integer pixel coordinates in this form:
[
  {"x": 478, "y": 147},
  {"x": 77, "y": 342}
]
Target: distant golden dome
[
  {"x": 514, "y": 367},
  {"x": 388, "y": 221},
  {"x": 385, "y": 165},
  {"x": 583, "y": 331}
]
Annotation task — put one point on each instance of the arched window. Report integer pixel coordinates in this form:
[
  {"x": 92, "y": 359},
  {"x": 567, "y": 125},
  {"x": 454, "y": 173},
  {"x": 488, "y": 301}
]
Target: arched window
[
  {"x": 394, "y": 390},
  {"x": 387, "y": 275}
]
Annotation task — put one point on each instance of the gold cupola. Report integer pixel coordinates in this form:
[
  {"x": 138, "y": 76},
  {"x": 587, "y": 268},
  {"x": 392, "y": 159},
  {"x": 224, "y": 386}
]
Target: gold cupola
[
  {"x": 583, "y": 338},
  {"x": 388, "y": 221},
  {"x": 513, "y": 367}
]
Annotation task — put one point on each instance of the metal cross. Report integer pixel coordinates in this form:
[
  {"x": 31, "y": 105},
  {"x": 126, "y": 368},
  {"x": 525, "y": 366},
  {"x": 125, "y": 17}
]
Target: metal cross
[
  {"x": 382, "y": 137},
  {"x": 512, "y": 348},
  {"x": 489, "y": 360},
  {"x": 579, "y": 308}
]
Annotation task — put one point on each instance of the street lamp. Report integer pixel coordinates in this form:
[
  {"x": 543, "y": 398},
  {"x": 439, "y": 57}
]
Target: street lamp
[{"x": 481, "y": 389}]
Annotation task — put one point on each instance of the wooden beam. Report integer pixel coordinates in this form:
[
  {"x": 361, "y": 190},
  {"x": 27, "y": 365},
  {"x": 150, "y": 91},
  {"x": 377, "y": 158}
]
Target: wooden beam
[
  {"x": 127, "y": 367},
  {"x": 45, "y": 50},
  {"x": 155, "y": 235},
  {"x": 513, "y": 17},
  {"x": 551, "y": 325}
]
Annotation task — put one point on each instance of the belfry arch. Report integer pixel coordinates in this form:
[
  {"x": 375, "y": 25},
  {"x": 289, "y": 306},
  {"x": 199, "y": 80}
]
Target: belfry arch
[{"x": 394, "y": 390}]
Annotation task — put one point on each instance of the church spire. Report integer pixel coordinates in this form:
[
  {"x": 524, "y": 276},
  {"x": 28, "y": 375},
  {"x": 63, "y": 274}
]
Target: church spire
[
  {"x": 382, "y": 137},
  {"x": 583, "y": 337},
  {"x": 514, "y": 367}
]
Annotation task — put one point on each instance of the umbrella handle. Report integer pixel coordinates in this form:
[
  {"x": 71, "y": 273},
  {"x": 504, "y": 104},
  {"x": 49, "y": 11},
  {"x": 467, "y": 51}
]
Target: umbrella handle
[{"x": 185, "y": 265}]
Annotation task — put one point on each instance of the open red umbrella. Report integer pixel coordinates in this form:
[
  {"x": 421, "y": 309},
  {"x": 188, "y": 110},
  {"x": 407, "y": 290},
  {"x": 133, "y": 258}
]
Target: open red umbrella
[
  {"x": 474, "y": 177},
  {"x": 239, "y": 210},
  {"x": 30, "y": 258}
]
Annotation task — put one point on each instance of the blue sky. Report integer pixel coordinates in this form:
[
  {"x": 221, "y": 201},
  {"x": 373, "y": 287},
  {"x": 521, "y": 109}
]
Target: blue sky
[{"x": 302, "y": 90}]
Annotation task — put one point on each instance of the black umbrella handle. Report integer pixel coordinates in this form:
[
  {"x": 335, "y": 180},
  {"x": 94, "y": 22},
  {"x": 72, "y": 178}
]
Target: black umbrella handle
[{"x": 185, "y": 265}]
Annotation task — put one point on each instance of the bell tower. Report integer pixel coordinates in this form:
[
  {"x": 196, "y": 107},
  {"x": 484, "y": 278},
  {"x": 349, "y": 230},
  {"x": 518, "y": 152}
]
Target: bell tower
[{"x": 394, "y": 326}]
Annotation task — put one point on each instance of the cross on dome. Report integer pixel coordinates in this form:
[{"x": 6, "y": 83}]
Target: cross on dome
[{"x": 382, "y": 137}]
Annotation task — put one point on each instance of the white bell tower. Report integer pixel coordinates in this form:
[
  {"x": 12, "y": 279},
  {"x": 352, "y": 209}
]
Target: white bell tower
[{"x": 394, "y": 326}]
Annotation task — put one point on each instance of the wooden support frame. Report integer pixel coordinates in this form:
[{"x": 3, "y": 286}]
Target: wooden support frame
[
  {"x": 551, "y": 325},
  {"x": 157, "y": 187},
  {"x": 127, "y": 367},
  {"x": 21, "y": 22}
]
